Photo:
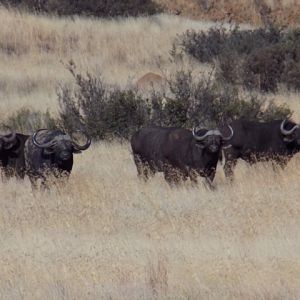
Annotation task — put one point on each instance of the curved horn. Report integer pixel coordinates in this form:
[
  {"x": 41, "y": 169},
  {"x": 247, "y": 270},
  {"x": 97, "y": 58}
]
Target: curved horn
[
  {"x": 86, "y": 145},
  {"x": 227, "y": 138},
  {"x": 208, "y": 133},
  {"x": 287, "y": 132},
  {"x": 43, "y": 145},
  {"x": 199, "y": 138}
]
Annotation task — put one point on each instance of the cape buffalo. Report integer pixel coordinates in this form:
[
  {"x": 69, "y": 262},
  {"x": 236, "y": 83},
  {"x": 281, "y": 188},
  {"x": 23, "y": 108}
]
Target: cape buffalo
[
  {"x": 276, "y": 140},
  {"x": 12, "y": 159},
  {"x": 50, "y": 152},
  {"x": 178, "y": 153}
]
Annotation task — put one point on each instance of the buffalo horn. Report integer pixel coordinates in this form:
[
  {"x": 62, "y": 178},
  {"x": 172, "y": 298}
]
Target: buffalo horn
[
  {"x": 230, "y": 136},
  {"x": 287, "y": 132},
  {"x": 86, "y": 145},
  {"x": 43, "y": 145},
  {"x": 208, "y": 133}
]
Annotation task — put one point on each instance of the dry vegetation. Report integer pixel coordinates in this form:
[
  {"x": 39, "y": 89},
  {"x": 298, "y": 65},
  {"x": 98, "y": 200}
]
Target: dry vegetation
[
  {"x": 106, "y": 235},
  {"x": 32, "y": 50},
  {"x": 285, "y": 12}
]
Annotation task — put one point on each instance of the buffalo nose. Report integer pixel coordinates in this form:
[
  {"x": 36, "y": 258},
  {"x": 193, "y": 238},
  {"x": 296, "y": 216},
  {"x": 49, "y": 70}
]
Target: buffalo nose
[
  {"x": 213, "y": 148},
  {"x": 65, "y": 155}
]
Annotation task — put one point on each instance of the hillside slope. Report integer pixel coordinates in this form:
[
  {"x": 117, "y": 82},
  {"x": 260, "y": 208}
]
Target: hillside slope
[{"x": 285, "y": 12}]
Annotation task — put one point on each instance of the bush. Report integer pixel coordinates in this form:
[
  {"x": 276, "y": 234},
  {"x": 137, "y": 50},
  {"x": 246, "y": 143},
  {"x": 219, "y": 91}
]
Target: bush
[
  {"x": 175, "y": 110},
  {"x": 218, "y": 102},
  {"x": 96, "y": 8},
  {"x": 229, "y": 67},
  {"x": 257, "y": 59},
  {"x": 105, "y": 112},
  {"x": 206, "y": 46},
  {"x": 27, "y": 120},
  {"x": 263, "y": 68},
  {"x": 291, "y": 65},
  {"x": 102, "y": 111},
  {"x": 208, "y": 102}
]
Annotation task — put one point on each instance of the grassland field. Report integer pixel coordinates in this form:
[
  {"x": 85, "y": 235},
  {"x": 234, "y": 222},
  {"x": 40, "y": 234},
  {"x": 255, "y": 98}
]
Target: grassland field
[{"x": 108, "y": 235}]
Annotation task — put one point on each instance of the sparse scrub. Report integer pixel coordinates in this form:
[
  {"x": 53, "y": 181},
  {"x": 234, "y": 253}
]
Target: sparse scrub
[
  {"x": 94, "y": 8},
  {"x": 27, "y": 120},
  {"x": 263, "y": 68},
  {"x": 105, "y": 111},
  {"x": 102, "y": 110},
  {"x": 208, "y": 45},
  {"x": 257, "y": 59},
  {"x": 204, "y": 46},
  {"x": 257, "y": 12},
  {"x": 210, "y": 102}
]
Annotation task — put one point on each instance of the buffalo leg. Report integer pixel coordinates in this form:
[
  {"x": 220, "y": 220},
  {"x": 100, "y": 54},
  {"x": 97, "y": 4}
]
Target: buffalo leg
[
  {"x": 228, "y": 168},
  {"x": 209, "y": 176},
  {"x": 34, "y": 180},
  {"x": 7, "y": 173},
  {"x": 209, "y": 180},
  {"x": 34, "y": 183},
  {"x": 193, "y": 177},
  {"x": 139, "y": 165},
  {"x": 143, "y": 168},
  {"x": 280, "y": 162},
  {"x": 173, "y": 175}
]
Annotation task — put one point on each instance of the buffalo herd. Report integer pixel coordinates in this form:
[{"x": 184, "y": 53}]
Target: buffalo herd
[
  {"x": 44, "y": 153},
  {"x": 176, "y": 152},
  {"x": 181, "y": 153}
]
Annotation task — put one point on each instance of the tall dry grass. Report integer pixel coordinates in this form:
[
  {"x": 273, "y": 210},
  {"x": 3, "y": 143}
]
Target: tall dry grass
[
  {"x": 107, "y": 235},
  {"x": 33, "y": 50}
]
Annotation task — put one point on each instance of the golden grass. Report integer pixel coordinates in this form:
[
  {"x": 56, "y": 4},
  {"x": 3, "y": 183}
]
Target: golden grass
[
  {"x": 107, "y": 235},
  {"x": 33, "y": 50}
]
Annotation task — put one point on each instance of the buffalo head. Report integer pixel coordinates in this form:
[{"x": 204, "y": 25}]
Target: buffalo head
[
  {"x": 61, "y": 145},
  {"x": 8, "y": 140},
  {"x": 292, "y": 134},
  {"x": 211, "y": 140}
]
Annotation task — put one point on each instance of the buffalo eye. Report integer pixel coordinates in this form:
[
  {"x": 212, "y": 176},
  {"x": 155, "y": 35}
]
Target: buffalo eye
[{"x": 48, "y": 151}]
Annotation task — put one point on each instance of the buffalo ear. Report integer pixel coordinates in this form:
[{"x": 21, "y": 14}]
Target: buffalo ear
[
  {"x": 48, "y": 151},
  {"x": 226, "y": 146},
  {"x": 288, "y": 140},
  {"x": 75, "y": 151}
]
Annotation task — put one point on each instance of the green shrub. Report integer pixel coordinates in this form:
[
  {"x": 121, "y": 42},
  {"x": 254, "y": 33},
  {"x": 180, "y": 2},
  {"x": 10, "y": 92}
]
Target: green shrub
[
  {"x": 103, "y": 111},
  {"x": 263, "y": 68},
  {"x": 259, "y": 58},
  {"x": 206, "y": 46},
  {"x": 209, "y": 102},
  {"x": 214, "y": 102}
]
